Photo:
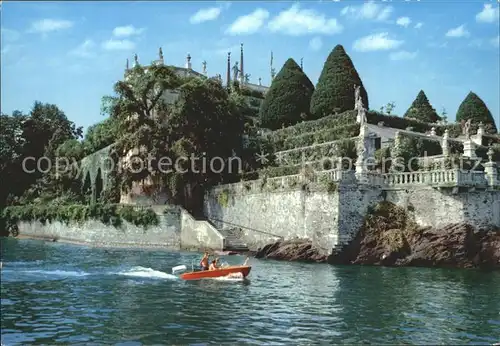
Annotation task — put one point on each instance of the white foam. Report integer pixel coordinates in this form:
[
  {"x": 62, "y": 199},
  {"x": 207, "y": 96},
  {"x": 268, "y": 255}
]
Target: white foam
[
  {"x": 231, "y": 277},
  {"x": 142, "y": 272},
  {"x": 58, "y": 272}
]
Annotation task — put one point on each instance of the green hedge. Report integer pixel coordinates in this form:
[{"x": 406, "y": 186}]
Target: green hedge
[
  {"x": 482, "y": 152},
  {"x": 340, "y": 148},
  {"x": 421, "y": 146},
  {"x": 327, "y": 122},
  {"x": 109, "y": 214},
  {"x": 245, "y": 91},
  {"x": 454, "y": 130},
  {"x": 281, "y": 143}
]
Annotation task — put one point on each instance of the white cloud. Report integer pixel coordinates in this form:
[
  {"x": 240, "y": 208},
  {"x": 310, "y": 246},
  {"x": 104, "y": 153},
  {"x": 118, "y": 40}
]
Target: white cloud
[
  {"x": 249, "y": 23},
  {"x": 375, "y": 42},
  {"x": 402, "y": 55},
  {"x": 84, "y": 50},
  {"x": 403, "y": 21},
  {"x": 126, "y": 31},
  {"x": 495, "y": 41},
  {"x": 369, "y": 10},
  {"x": 9, "y": 35},
  {"x": 205, "y": 15},
  {"x": 316, "y": 43},
  {"x": 49, "y": 25},
  {"x": 489, "y": 14},
  {"x": 296, "y": 21},
  {"x": 118, "y": 45},
  {"x": 418, "y": 25},
  {"x": 459, "y": 31}
]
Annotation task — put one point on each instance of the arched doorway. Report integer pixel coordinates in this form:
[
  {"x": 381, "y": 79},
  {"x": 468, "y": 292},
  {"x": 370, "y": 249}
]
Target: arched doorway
[{"x": 98, "y": 185}]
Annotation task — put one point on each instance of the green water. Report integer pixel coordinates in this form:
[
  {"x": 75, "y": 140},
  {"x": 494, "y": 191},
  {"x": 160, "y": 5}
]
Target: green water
[{"x": 55, "y": 293}]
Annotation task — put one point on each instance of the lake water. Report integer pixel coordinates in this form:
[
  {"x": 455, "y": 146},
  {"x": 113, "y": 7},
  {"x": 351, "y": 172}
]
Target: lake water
[{"x": 57, "y": 293}]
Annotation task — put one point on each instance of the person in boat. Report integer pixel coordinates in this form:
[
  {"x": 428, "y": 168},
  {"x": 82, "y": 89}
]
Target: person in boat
[
  {"x": 213, "y": 265},
  {"x": 204, "y": 262}
]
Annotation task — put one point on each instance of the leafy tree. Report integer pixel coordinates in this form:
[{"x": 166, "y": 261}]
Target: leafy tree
[
  {"x": 422, "y": 110},
  {"x": 287, "y": 101},
  {"x": 334, "y": 92},
  {"x": 30, "y": 137},
  {"x": 472, "y": 107},
  {"x": 139, "y": 99},
  {"x": 388, "y": 108},
  {"x": 180, "y": 139},
  {"x": 100, "y": 135}
]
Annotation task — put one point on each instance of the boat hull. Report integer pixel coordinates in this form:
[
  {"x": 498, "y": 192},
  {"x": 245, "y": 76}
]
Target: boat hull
[{"x": 220, "y": 272}]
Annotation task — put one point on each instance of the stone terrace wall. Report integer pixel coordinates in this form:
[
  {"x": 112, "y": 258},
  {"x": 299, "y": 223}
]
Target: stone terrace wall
[
  {"x": 332, "y": 219},
  {"x": 177, "y": 229},
  {"x": 437, "y": 208},
  {"x": 166, "y": 234},
  {"x": 328, "y": 219}
]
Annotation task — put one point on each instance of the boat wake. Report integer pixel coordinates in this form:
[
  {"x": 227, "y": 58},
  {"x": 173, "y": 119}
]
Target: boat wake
[
  {"x": 142, "y": 272},
  {"x": 235, "y": 277}
]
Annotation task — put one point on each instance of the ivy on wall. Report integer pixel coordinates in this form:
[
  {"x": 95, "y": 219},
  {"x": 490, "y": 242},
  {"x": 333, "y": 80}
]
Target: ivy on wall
[{"x": 109, "y": 214}]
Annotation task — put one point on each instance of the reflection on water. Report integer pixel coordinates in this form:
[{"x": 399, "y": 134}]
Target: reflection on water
[{"x": 56, "y": 293}]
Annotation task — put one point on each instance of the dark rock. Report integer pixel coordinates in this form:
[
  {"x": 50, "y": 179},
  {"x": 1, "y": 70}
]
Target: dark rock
[
  {"x": 291, "y": 250},
  {"x": 456, "y": 245}
]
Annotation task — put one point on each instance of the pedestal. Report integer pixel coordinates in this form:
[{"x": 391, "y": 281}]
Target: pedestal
[
  {"x": 469, "y": 149},
  {"x": 490, "y": 169}
]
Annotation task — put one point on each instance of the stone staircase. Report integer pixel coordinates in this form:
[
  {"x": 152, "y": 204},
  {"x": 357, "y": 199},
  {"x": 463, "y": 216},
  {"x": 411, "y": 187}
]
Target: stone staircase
[{"x": 233, "y": 240}]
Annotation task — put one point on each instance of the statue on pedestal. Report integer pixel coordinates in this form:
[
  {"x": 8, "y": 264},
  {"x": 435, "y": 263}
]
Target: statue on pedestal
[
  {"x": 204, "y": 64},
  {"x": 358, "y": 105},
  {"x": 466, "y": 128},
  {"x": 236, "y": 70},
  {"x": 246, "y": 78}
]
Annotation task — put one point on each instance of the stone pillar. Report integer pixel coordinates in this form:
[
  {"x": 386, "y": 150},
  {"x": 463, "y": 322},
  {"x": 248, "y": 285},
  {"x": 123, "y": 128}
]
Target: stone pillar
[
  {"x": 490, "y": 169},
  {"x": 444, "y": 143},
  {"x": 469, "y": 149},
  {"x": 363, "y": 149}
]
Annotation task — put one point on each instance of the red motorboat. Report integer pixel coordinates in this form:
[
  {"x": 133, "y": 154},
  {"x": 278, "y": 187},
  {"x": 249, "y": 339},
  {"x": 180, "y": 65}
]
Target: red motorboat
[{"x": 230, "y": 272}]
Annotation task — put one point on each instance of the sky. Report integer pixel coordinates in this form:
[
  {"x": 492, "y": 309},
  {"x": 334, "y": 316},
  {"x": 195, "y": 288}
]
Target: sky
[{"x": 71, "y": 53}]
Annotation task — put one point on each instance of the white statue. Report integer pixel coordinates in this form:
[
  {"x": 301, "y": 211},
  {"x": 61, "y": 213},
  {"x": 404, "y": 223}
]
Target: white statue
[
  {"x": 467, "y": 126},
  {"x": 236, "y": 70},
  {"x": 358, "y": 105}
]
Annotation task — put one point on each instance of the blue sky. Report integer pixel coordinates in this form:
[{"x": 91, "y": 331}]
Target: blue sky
[{"x": 71, "y": 53}]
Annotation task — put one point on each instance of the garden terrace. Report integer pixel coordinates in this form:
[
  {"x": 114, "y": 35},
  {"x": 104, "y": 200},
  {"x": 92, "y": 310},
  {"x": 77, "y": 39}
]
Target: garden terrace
[
  {"x": 338, "y": 148},
  {"x": 327, "y": 122},
  {"x": 397, "y": 122},
  {"x": 282, "y": 143}
]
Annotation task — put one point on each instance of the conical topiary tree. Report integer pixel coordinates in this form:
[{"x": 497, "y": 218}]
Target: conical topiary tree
[
  {"x": 472, "y": 107},
  {"x": 334, "y": 92},
  {"x": 422, "y": 110},
  {"x": 288, "y": 99}
]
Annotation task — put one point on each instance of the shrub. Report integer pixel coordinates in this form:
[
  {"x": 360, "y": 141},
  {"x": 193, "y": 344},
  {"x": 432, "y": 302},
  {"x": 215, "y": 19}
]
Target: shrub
[
  {"x": 288, "y": 99},
  {"x": 422, "y": 110},
  {"x": 109, "y": 214},
  {"x": 472, "y": 107},
  {"x": 335, "y": 88}
]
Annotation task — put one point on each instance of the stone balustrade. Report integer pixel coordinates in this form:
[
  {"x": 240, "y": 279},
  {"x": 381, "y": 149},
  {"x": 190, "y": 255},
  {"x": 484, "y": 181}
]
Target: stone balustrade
[
  {"x": 454, "y": 177},
  {"x": 448, "y": 177}
]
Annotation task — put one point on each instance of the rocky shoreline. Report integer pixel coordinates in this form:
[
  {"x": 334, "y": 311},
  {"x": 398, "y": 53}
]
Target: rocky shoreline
[{"x": 389, "y": 238}]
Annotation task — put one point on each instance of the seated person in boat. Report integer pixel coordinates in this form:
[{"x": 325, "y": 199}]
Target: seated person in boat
[
  {"x": 204, "y": 262},
  {"x": 213, "y": 265}
]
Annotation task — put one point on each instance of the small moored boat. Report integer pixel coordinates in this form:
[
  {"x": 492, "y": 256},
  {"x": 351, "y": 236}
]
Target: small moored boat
[{"x": 229, "y": 271}]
